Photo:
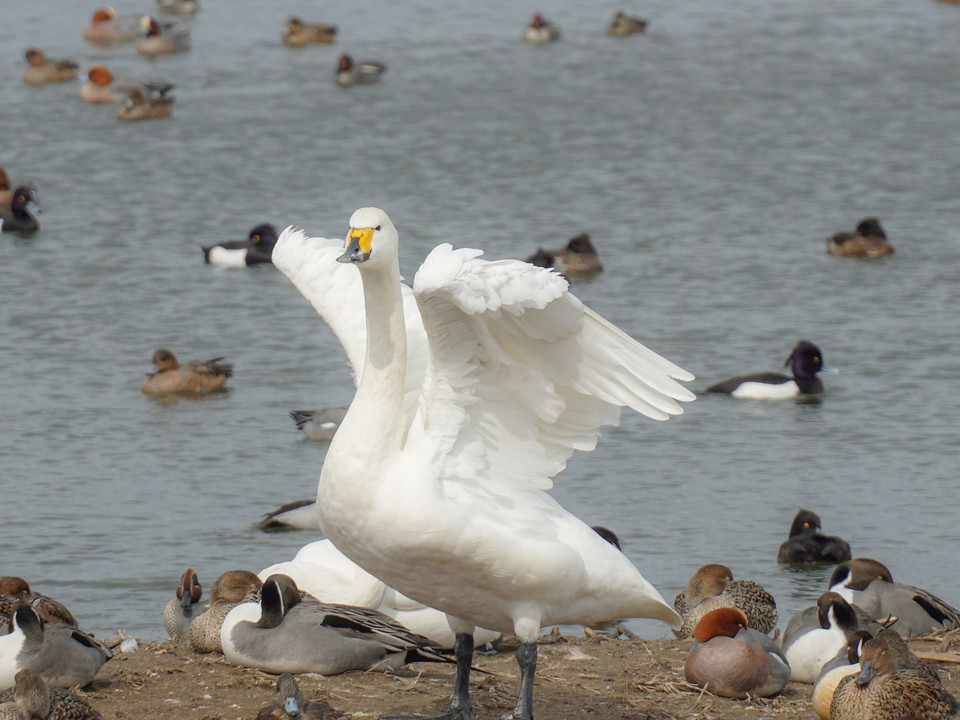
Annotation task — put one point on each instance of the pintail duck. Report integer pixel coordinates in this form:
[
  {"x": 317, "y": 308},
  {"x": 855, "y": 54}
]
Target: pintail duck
[
  {"x": 194, "y": 377},
  {"x": 541, "y": 31},
  {"x": 285, "y": 634},
  {"x": 20, "y": 216},
  {"x": 62, "y": 654},
  {"x": 184, "y": 609},
  {"x": 623, "y": 25},
  {"x": 162, "y": 39},
  {"x": 577, "y": 260},
  {"x": 350, "y": 73},
  {"x": 711, "y": 587},
  {"x": 288, "y": 702},
  {"x": 300, "y": 33},
  {"x": 731, "y": 659},
  {"x": 296, "y": 515},
  {"x": 808, "y": 544},
  {"x": 319, "y": 425},
  {"x": 885, "y": 689},
  {"x": 228, "y": 591},
  {"x": 257, "y": 249},
  {"x": 140, "y": 106},
  {"x": 13, "y": 589},
  {"x": 868, "y": 584},
  {"x": 805, "y": 361},
  {"x": 106, "y": 27},
  {"x": 102, "y": 87},
  {"x": 845, "y": 662},
  {"x": 45, "y": 70},
  {"x": 815, "y": 635},
  {"x": 32, "y": 699},
  {"x": 868, "y": 241}
]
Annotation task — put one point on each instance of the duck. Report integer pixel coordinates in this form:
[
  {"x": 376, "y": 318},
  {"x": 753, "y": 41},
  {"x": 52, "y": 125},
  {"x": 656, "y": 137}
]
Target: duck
[
  {"x": 140, "y": 106},
  {"x": 62, "y": 654},
  {"x": 288, "y": 702},
  {"x": 197, "y": 376},
  {"x": 500, "y": 552},
  {"x": 162, "y": 39},
  {"x": 6, "y": 194},
  {"x": 179, "y": 7},
  {"x": 845, "y": 662},
  {"x": 20, "y": 217},
  {"x": 300, "y": 33},
  {"x": 541, "y": 31},
  {"x": 43, "y": 70},
  {"x": 284, "y": 634},
  {"x": 102, "y": 87},
  {"x": 807, "y": 543},
  {"x": 712, "y": 586},
  {"x": 106, "y": 27},
  {"x": 623, "y": 25},
  {"x": 327, "y": 574},
  {"x": 31, "y": 698},
  {"x": 227, "y": 591},
  {"x": 319, "y": 425},
  {"x": 805, "y": 361},
  {"x": 350, "y": 73},
  {"x": 13, "y": 589},
  {"x": 815, "y": 635},
  {"x": 868, "y": 584},
  {"x": 257, "y": 249},
  {"x": 886, "y": 690},
  {"x": 182, "y": 610},
  {"x": 294, "y": 515},
  {"x": 868, "y": 241},
  {"x": 731, "y": 659},
  {"x": 577, "y": 260}
]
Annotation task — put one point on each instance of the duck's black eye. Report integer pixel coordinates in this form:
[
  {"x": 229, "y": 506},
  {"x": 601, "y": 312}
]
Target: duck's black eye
[{"x": 377, "y": 228}]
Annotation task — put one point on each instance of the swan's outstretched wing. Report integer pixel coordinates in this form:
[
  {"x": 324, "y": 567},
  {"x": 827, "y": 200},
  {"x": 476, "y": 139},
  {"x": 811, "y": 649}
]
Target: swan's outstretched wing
[
  {"x": 336, "y": 293},
  {"x": 521, "y": 373}
]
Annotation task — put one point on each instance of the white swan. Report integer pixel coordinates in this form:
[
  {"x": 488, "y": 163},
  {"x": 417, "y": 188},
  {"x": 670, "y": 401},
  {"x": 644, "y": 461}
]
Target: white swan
[{"x": 519, "y": 375}]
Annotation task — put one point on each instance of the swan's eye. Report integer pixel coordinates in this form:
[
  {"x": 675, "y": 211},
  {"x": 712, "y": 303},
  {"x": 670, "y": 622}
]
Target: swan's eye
[{"x": 377, "y": 228}]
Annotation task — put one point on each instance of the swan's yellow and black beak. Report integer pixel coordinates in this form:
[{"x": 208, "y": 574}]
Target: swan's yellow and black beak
[{"x": 359, "y": 242}]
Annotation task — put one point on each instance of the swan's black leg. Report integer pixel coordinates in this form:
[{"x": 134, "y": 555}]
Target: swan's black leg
[
  {"x": 460, "y": 707},
  {"x": 527, "y": 657}
]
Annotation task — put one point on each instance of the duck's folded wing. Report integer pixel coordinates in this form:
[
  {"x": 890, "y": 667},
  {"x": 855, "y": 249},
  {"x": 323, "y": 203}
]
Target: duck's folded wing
[
  {"x": 521, "y": 373},
  {"x": 336, "y": 293}
]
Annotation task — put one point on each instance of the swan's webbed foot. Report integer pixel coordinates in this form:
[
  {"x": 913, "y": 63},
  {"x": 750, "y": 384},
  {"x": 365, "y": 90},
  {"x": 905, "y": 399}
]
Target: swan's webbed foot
[{"x": 460, "y": 707}]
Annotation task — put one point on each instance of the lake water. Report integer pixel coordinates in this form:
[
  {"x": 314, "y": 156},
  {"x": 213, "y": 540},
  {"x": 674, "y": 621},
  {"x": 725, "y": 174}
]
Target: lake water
[{"x": 709, "y": 160}]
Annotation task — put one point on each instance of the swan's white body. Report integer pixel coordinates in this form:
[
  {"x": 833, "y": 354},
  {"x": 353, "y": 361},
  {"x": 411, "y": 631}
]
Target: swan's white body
[{"x": 473, "y": 391}]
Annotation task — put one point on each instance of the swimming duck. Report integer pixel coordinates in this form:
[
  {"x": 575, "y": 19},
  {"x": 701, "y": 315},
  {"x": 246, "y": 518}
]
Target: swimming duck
[
  {"x": 350, "y": 73},
  {"x": 806, "y": 361},
  {"x": 19, "y": 217},
  {"x": 62, "y": 654},
  {"x": 808, "y": 544},
  {"x": 179, "y": 7},
  {"x": 464, "y": 482},
  {"x": 32, "y": 699},
  {"x": 194, "y": 377},
  {"x": 285, "y": 634},
  {"x": 257, "y": 249},
  {"x": 300, "y": 33},
  {"x": 845, "y": 662},
  {"x": 623, "y": 25},
  {"x": 288, "y": 702},
  {"x": 731, "y": 659},
  {"x": 330, "y": 576},
  {"x": 712, "y": 586},
  {"x": 162, "y": 39},
  {"x": 107, "y": 27},
  {"x": 6, "y": 194},
  {"x": 183, "y": 609},
  {"x": 815, "y": 635},
  {"x": 139, "y": 106},
  {"x": 319, "y": 425},
  {"x": 868, "y": 241},
  {"x": 45, "y": 70},
  {"x": 541, "y": 31},
  {"x": 228, "y": 591},
  {"x": 102, "y": 87},
  {"x": 869, "y": 585},
  {"x": 577, "y": 260},
  {"x": 296, "y": 515},
  {"x": 13, "y": 589},
  {"x": 886, "y": 690}
]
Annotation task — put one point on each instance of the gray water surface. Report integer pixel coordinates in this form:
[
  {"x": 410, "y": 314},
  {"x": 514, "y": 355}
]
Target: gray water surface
[{"x": 709, "y": 160}]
